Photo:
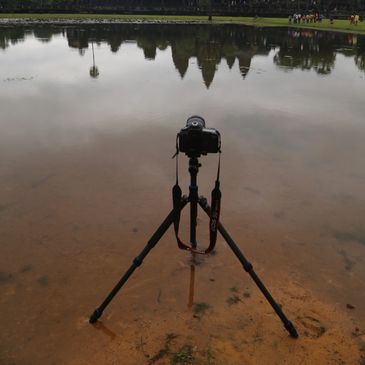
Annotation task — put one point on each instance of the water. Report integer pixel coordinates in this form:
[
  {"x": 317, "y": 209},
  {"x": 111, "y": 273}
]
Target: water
[{"x": 85, "y": 178}]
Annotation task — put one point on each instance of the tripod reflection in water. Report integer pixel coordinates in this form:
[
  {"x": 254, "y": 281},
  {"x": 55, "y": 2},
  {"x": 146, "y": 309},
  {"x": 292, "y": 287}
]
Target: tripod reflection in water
[
  {"x": 192, "y": 282},
  {"x": 100, "y": 326}
]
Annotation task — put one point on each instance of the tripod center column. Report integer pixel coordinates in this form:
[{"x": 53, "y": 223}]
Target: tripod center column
[{"x": 193, "y": 198}]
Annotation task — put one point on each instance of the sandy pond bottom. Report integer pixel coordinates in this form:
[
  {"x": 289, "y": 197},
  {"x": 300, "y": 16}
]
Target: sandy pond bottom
[{"x": 68, "y": 233}]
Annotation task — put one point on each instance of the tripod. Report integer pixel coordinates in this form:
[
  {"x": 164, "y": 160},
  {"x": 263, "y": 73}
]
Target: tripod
[{"x": 194, "y": 200}]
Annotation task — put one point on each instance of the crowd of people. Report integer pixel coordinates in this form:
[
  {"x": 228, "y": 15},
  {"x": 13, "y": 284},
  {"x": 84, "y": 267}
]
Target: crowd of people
[
  {"x": 305, "y": 18},
  {"x": 298, "y": 18},
  {"x": 354, "y": 19}
]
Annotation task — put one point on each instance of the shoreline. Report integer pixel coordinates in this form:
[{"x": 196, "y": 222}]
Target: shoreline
[{"x": 342, "y": 26}]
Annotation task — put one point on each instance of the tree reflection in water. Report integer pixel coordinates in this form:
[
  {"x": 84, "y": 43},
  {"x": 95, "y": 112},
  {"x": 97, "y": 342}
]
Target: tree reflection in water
[{"x": 209, "y": 44}]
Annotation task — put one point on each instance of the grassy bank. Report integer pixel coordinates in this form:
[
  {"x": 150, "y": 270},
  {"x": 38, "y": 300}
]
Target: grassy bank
[{"x": 339, "y": 25}]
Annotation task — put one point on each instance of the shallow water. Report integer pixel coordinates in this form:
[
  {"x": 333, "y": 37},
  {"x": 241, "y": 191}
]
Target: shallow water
[{"x": 86, "y": 173}]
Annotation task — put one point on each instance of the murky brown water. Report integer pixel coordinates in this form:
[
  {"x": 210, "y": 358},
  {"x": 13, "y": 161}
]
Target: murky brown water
[{"x": 86, "y": 173}]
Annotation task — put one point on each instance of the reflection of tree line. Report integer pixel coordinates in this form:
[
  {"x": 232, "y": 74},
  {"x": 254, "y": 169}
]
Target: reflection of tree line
[
  {"x": 209, "y": 44},
  {"x": 317, "y": 50},
  {"x": 307, "y": 50}
]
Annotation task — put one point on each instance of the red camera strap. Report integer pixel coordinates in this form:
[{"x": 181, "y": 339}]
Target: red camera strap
[{"x": 214, "y": 217}]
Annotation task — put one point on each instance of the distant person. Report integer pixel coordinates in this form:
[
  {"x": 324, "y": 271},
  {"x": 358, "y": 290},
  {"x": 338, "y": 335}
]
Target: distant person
[
  {"x": 356, "y": 19},
  {"x": 331, "y": 18},
  {"x": 290, "y": 19}
]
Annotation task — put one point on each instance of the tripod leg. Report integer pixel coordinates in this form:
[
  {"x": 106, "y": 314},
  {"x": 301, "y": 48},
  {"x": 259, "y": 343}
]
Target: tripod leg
[
  {"x": 249, "y": 268},
  {"x": 137, "y": 262}
]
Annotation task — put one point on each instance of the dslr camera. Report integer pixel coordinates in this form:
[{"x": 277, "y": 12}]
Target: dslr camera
[{"x": 196, "y": 140}]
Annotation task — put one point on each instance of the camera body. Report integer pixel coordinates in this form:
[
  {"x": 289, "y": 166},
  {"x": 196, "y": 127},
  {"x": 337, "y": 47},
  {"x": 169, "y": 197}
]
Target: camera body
[{"x": 196, "y": 140}]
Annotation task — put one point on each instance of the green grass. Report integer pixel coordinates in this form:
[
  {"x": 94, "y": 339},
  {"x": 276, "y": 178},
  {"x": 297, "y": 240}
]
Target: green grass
[
  {"x": 184, "y": 356},
  {"x": 163, "y": 352},
  {"x": 86, "y": 16},
  {"x": 339, "y": 25}
]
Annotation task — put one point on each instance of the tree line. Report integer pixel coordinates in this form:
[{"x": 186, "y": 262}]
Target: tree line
[{"x": 217, "y": 7}]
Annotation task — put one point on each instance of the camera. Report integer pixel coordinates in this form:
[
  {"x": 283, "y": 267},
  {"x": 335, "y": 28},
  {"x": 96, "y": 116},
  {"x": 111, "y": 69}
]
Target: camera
[{"x": 196, "y": 140}]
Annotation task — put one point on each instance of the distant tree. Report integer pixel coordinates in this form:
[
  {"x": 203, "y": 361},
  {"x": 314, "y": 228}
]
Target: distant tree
[{"x": 207, "y": 6}]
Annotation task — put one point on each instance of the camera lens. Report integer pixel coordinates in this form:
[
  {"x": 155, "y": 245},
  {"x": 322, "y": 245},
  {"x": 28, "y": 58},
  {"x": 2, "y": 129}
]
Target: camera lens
[{"x": 195, "y": 122}]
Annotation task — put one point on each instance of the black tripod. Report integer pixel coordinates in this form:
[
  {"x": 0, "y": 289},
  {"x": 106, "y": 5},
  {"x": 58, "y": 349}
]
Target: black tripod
[{"x": 194, "y": 200}]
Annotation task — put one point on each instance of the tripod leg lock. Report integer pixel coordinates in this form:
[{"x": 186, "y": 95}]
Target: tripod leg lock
[
  {"x": 138, "y": 261},
  {"x": 248, "y": 266}
]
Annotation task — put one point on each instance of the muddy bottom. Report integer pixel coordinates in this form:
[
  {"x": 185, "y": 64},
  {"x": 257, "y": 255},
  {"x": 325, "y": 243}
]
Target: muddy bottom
[{"x": 69, "y": 233}]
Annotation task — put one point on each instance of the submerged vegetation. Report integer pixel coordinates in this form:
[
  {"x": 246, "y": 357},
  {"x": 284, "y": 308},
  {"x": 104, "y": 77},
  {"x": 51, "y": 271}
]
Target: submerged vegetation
[
  {"x": 233, "y": 299},
  {"x": 183, "y": 355},
  {"x": 200, "y": 308}
]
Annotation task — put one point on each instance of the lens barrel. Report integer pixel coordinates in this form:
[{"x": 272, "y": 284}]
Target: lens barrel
[{"x": 195, "y": 122}]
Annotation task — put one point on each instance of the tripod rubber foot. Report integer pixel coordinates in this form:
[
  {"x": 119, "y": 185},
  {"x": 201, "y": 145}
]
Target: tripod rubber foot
[
  {"x": 95, "y": 316},
  {"x": 291, "y": 329}
]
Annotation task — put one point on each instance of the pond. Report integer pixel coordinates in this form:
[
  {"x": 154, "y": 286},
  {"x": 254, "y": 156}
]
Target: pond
[{"x": 89, "y": 116}]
